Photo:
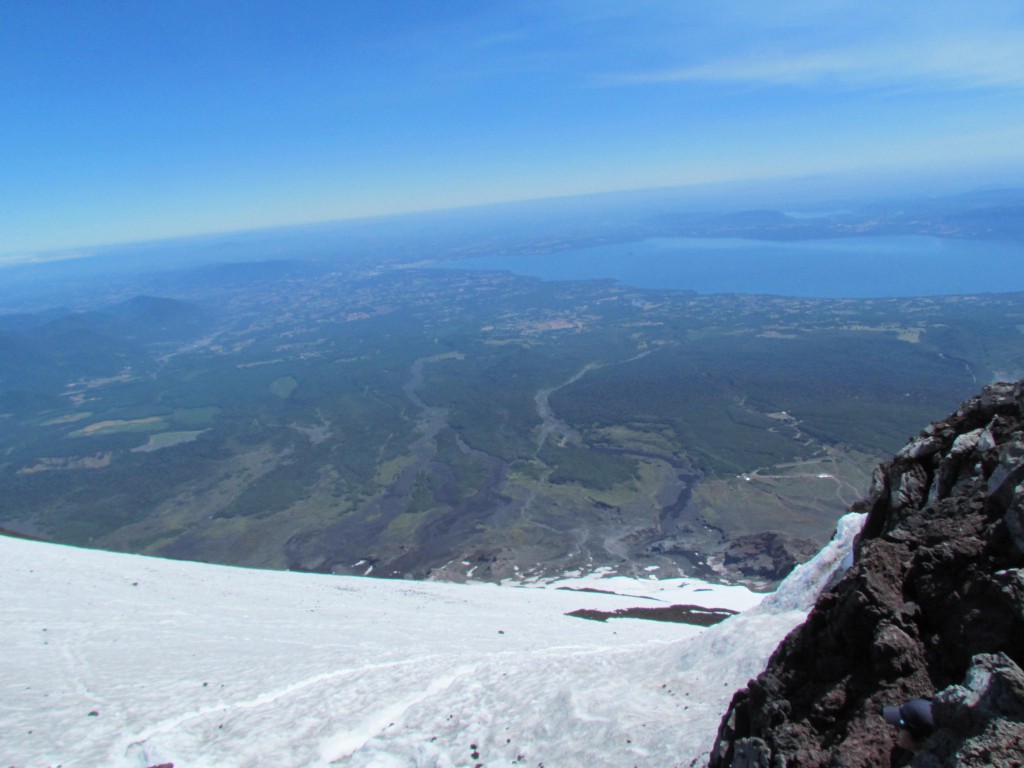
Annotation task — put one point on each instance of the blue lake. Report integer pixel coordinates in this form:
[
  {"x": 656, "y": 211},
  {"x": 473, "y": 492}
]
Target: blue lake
[{"x": 856, "y": 267}]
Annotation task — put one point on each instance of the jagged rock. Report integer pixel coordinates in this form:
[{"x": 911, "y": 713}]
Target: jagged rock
[
  {"x": 921, "y": 447},
  {"x": 910, "y": 488},
  {"x": 894, "y": 651},
  {"x": 935, "y": 597},
  {"x": 952, "y": 465},
  {"x": 752, "y": 753},
  {"x": 1015, "y": 519},
  {"x": 980, "y": 723}
]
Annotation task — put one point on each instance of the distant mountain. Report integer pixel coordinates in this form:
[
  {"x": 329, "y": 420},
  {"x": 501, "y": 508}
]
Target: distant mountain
[
  {"x": 933, "y": 606},
  {"x": 42, "y": 353},
  {"x": 141, "y": 319},
  {"x": 991, "y": 215},
  {"x": 1002, "y": 221}
]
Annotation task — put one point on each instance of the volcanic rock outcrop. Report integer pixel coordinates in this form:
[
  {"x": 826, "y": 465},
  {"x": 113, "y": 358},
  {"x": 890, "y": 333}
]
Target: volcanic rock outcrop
[{"x": 933, "y": 607}]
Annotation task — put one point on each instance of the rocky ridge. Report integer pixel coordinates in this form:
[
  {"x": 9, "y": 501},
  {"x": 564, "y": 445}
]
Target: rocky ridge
[{"x": 933, "y": 607}]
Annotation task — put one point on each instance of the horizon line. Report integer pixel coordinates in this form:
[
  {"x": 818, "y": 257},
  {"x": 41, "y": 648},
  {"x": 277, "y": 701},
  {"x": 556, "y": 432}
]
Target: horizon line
[{"x": 47, "y": 255}]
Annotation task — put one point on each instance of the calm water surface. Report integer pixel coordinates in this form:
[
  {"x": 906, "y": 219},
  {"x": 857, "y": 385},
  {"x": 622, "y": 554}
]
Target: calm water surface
[{"x": 858, "y": 267}]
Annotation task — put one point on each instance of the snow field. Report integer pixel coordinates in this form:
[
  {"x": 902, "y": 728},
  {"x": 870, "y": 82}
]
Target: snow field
[{"x": 126, "y": 661}]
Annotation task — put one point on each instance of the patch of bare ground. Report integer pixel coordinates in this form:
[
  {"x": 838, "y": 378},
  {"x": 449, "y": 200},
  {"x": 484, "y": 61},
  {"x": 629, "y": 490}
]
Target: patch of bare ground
[
  {"x": 96, "y": 461},
  {"x": 679, "y": 614}
]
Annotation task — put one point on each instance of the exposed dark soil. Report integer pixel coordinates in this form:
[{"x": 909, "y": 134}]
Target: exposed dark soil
[{"x": 679, "y": 614}]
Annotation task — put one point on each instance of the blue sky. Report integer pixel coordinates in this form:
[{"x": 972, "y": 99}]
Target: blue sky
[{"x": 131, "y": 120}]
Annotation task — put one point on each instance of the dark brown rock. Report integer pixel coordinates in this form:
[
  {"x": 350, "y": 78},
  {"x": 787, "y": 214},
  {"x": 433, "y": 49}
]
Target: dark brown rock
[{"x": 935, "y": 594}]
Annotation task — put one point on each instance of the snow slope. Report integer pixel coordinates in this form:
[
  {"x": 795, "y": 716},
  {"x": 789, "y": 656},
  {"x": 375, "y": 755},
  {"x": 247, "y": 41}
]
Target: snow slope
[{"x": 120, "y": 660}]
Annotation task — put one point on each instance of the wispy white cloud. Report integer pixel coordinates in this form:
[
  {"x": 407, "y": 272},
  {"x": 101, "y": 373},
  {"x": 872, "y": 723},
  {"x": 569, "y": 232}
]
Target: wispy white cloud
[
  {"x": 17, "y": 259},
  {"x": 942, "y": 64}
]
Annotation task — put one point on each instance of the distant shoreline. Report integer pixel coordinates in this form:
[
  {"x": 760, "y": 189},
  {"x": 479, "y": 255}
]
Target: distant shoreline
[{"x": 867, "y": 267}]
